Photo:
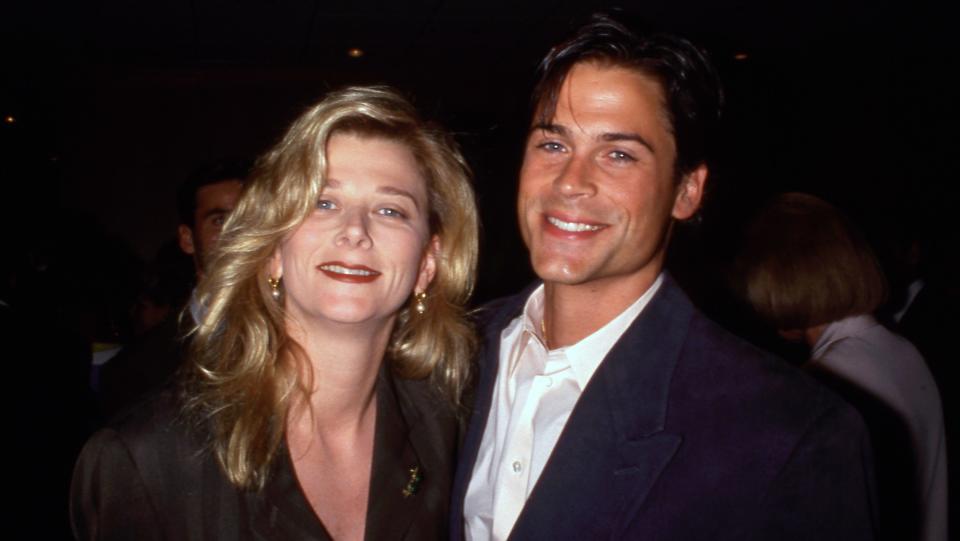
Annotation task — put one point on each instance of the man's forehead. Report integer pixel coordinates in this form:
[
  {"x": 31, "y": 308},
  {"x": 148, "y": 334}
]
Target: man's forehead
[
  {"x": 227, "y": 186},
  {"x": 591, "y": 83},
  {"x": 222, "y": 193}
]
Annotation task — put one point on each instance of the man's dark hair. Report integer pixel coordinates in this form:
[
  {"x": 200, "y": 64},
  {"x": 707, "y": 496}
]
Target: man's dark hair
[
  {"x": 204, "y": 176},
  {"x": 690, "y": 84}
]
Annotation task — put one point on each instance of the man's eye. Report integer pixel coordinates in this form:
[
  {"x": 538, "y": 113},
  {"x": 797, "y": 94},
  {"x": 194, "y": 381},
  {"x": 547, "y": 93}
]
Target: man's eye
[
  {"x": 621, "y": 156},
  {"x": 326, "y": 204},
  {"x": 391, "y": 212},
  {"x": 218, "y": 221},
  {"x": 551, "y": 146}
]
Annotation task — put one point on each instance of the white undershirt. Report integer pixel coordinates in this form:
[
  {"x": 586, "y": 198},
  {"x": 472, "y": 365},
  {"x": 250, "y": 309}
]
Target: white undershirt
[{"x": 535, "y": 392}]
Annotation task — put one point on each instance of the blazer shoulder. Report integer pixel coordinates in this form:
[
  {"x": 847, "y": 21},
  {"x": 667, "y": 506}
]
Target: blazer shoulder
[
  {"x": 130, "y": 470},
  {"x": 156, "y": 419},
  {"x": 159, "y": 441},
  {"x": 490, "y": 313},
  {"x": 491, "y": 317},
  {"x": 756, "y": 380}
]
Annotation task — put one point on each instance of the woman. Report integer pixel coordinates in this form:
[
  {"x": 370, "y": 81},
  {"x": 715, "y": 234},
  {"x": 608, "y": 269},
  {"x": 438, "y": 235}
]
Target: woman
[
  {"x": 807, "y": 272},
  {"x": 320, "y": 400}
]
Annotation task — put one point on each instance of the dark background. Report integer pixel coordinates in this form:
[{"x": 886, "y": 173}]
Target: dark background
[
  {"x": 106, "y": 106},
  {"x": 116, "y": 102}
]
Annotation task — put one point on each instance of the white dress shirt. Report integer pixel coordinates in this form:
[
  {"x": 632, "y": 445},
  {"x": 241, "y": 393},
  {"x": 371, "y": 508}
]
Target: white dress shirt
[
  {"x": 886, "y": 365},
  {"x": 535, "y": 392}
]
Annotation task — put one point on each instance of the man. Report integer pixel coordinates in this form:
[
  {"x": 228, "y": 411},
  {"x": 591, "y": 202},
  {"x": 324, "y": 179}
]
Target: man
[
  {"x": 607, "y": 406},
  {"x": 203, "y": 202}
]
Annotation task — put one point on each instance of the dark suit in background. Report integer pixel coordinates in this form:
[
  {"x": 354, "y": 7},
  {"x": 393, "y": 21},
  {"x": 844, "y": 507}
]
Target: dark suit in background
[
  {"x": 143, "y": 366},
  {"x": 685, "y": 432}
]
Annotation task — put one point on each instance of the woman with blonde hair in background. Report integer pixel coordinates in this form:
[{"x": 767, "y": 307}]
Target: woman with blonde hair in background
[{"x": 325, "y": 376}]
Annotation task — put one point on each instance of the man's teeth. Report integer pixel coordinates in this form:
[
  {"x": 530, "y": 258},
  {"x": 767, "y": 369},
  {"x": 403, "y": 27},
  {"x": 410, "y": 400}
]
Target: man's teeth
[
  {"x": 571, "y": 226},
  {"x": 344, "y": 270}
]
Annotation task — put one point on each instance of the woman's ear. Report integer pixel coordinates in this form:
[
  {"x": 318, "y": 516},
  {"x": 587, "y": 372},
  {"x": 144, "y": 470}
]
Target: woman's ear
[
  {"x": 428, "y": 265},
  {"x": 275, "y": 266}
]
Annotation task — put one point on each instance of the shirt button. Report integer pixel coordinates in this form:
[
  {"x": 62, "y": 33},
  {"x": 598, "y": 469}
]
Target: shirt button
[
  {"x": 548, "y": 382},
  {"x": 517, "y": 466}
]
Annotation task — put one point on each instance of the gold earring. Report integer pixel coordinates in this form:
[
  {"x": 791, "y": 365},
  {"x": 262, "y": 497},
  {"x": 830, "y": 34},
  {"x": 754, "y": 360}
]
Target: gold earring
[
  {"x": 274, "y": 288},
  {"x": 419, "y": 302}
]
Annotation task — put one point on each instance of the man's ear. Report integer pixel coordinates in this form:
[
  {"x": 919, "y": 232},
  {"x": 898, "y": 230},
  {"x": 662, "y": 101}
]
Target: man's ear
[
  {"x": 185, "y": 239},
  {"x": 690, "y": 193},
  {"x": 428, "y": 265}
]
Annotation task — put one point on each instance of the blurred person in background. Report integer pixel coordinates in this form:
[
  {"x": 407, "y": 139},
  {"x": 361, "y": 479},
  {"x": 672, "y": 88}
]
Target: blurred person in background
[
  {"x": 809, "y": 273},
  {"x": 158, "y": 349}
]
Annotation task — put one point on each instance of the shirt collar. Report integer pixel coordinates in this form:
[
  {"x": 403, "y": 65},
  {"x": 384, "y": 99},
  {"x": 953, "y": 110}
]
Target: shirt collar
[
  {"x": 587, "y": 354},
  {"x": 197, "y": 309},
  {"x": 530, "y": 327},
  {"x": 838, "y": 330}
]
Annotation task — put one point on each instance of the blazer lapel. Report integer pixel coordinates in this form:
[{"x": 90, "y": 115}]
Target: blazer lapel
[
  {"x": 398, "y": 473},
  {"x": 614, "y": 447},
  {"x": 282, "y": 511},
  {"x": 395, "y": 478}
]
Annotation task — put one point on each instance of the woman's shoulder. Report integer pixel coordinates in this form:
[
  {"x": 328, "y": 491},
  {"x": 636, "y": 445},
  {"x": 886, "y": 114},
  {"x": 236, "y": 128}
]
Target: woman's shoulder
[
  {"x": 150, "y": 445},
  {"x": 155, "y": 422},
  {"x": 139, "y": 471}
]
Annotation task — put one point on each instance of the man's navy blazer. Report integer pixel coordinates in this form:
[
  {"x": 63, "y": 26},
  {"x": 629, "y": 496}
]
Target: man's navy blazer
[{"x": 686, "y": 432}]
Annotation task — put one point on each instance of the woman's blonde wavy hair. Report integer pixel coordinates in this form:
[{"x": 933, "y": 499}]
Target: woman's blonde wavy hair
[{"x": 244, "y": 371}]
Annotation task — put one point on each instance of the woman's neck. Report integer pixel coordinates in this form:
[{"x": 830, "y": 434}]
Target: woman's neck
[{"x": 343, "y": 362}]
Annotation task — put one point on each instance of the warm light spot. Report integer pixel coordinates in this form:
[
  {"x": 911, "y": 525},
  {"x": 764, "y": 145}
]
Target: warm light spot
[
  {"x": 741, "y": 56},
  {"x": 9, "y": 119},
  {"x": 355, "y": 52}
]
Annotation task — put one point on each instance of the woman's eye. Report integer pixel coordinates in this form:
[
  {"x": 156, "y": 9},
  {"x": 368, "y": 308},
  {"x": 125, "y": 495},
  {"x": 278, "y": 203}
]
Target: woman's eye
[
  {"x": 391, "y": 212},
  {"x": 326, "y": 204}
]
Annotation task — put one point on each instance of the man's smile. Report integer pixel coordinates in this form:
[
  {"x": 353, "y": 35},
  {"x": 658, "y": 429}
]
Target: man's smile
[{"x": 573, "y": 227}]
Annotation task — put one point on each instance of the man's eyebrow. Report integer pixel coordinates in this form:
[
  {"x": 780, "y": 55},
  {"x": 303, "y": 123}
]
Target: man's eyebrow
[
  {"x": 549, "y": 128},
  {"x": 557, "y": 129},
  {"x": 636, "y": 137},
  {"x": 215, "y": 211}
]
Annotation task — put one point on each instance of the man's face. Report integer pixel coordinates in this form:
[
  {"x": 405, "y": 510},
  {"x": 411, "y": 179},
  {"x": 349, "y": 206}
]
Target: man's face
[
  {"x": 214, "y": 202},
  {"x": 597, "y": 187}
]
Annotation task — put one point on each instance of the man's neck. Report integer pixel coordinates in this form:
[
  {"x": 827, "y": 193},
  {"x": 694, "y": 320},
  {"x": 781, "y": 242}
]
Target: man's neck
[{"x": 574, "y": 312}]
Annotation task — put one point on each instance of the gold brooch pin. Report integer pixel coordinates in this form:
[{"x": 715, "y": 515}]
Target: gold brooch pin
[{"x": 413, "y": 483}]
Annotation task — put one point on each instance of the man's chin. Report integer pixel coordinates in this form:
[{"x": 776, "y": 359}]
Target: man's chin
[{"x": 560, "y": 271}]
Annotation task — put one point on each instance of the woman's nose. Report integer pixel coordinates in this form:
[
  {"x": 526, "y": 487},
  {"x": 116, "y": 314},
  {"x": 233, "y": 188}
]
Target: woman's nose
[{"x": 355, "y": 230}]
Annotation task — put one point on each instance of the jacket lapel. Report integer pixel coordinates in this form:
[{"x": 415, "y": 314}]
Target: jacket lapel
[
  {"x": 614, "y": 447},
  {"x": 283, "y": 511},
  {"x": 398, "y": 474}
]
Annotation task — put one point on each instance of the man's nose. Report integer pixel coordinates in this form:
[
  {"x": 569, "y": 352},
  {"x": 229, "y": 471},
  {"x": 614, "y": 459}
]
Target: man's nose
[{"x": 575, "y": 179}]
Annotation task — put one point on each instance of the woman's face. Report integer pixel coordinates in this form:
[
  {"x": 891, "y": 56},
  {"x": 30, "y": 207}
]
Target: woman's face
[{"x": 366, "y": 247}]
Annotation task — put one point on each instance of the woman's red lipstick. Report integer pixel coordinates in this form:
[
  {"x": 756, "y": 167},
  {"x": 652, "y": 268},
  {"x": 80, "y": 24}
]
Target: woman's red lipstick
[{"x": 353, "y": 274}]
